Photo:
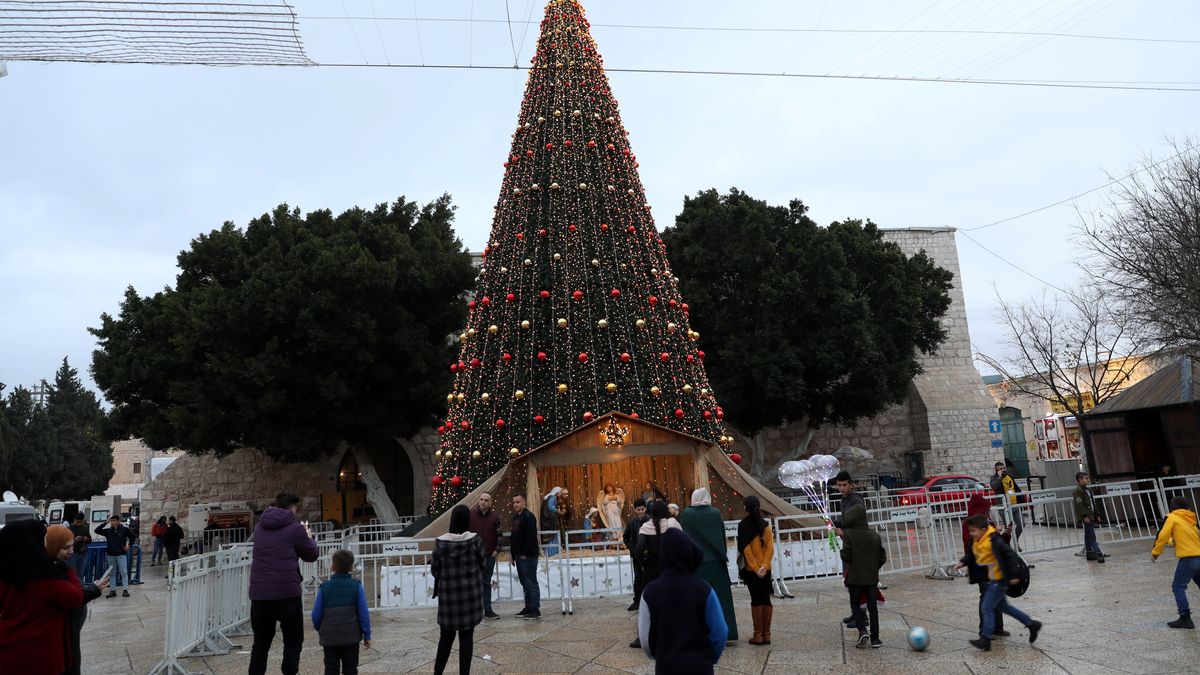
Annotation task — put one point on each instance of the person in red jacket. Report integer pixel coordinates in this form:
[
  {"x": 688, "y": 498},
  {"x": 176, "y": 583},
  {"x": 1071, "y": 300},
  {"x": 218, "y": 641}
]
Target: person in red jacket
[{"x": 36, "y": 598}]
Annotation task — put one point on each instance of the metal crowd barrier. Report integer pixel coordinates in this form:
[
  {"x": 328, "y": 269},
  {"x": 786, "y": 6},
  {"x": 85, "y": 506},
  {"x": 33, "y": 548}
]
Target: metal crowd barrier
[{"x": 97, "y": 563}]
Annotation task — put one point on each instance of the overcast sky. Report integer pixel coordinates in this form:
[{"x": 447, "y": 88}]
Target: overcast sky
[{"x": 108, "y": 171}]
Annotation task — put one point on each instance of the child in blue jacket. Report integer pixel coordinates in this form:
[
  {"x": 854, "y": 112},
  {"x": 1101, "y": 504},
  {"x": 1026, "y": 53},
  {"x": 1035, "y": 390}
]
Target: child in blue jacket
[{"x": 340, "y": 616}]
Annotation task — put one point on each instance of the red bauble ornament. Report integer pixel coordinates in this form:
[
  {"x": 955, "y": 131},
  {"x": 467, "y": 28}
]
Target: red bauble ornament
[
  {"x": 700, "y": 354},
  {"x": 485, "y": 301},
  {"x": 571, "y": 227},
  {"x": 653, "y": 300},
  {"x": 664, "y": 357},
  {"x": 544, "y": 295},
  {"x": 529, "y": 153},
  {"x": 577, "y": 296},
  {"x": 442, "y": 429},
  {"x": 685, "y": 308},
  {"x": 500, "y": 424},
  {"x": 454, "y": 367},
  {"x": 549, "y": 146},
  {"x": 615, "y": 293},
  {"x": 707, "y": 415},
  {"x": 541, "y": 356},
  {"x": 456, "y": 481},
  {"x": 587, "y": 416},
  {"x": 631, "y": 229},
  {"x": 679, "y": 413},
  {"x": 625, "y": 152},
  {"x": 720, "y": 414},
  {"x": 735, "y": 458},
  {"x": 634, "y": 415},
  {"x": 610, "y": 147},
  {"x": 506, "y": 357},
  {"x": 591, "y": 144},
  {"x": 520, "y": 236},
  {"x": 604, "y": 227},
  {"x": 542, "y": 232},
  {"x": 583, "y": 357},
  {"x": 465, "y": 425},
  {"x": 510, "y": 297},
  {"x": 436, "y": 480},
  {"x": 471, "y": 305},
  {"x": 672, "y": 304},
  {"x": 538, "y": 419},
  {"x": 475, "y": 362},
  {"x": 567, "y": 143},
  {"x": 625, "y": 357},
  {"x": 690, "y": 358}
]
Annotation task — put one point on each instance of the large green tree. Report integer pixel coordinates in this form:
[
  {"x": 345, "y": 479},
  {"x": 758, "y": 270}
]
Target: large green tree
[
  {"x": 83, "y": 453},
  {"x": 805, "y": 324},
  {"x": 293, "y": 335},
  {"x": 32, "y": 445}
]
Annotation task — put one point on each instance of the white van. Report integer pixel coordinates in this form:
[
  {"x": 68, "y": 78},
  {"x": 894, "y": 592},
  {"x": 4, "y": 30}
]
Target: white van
[
  {"x": 63, "y": 512},
  {"x": 12, "y": 509}
]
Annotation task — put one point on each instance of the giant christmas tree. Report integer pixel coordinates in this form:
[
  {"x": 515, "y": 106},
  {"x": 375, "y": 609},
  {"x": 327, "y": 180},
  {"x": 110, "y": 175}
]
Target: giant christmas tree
[{"x": 576, "y": 312}]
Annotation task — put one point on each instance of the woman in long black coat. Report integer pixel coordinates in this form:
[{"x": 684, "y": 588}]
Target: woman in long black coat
[{"x": 458, "y": 585}]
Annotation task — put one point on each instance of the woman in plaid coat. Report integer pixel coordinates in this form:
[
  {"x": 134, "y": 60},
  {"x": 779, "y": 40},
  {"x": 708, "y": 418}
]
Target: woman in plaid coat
[{"x": 458, "y": 586}]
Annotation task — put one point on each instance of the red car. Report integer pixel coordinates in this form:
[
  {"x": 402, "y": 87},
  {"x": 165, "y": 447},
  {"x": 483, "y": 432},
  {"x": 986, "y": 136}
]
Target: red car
[{"x": 943, "y": 487}]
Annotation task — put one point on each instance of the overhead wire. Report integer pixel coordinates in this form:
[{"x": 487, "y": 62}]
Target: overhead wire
[
  {"x": 1037, "y": 42},
  {"x": 906, "y": 44},
  {"x": 350, "y": 23},
  {"x": 379, "y": 32},
  {"x": 1013, "y": 265},
  {"x": 804, "y": 47}
]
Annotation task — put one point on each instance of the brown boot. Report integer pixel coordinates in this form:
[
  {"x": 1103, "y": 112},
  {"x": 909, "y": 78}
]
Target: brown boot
[
  {"x": 767, "y": 612},
  {"x": 757, "y": 615}
]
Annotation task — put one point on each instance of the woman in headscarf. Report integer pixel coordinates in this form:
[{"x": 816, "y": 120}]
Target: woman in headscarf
[
  {"x": 979, "y": 505},
  {"x": 756, "y": 548},
  {"x": 458, "y": 572},
  {"x": 60, "y": 546},
  {"x": 680, "y": 622},
  {"x": 36, "y": 598},
  {"x": 703, "y": 523}
]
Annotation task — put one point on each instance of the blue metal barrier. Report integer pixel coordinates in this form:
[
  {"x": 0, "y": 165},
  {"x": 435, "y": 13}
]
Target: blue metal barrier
[{"x": 97, "y": 563}]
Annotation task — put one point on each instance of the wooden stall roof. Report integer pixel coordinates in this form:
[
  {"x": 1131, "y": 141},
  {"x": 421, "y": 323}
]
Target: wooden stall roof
[
  {"x": 1175, "y": 384},
  {"x": 641, "y": 433}
]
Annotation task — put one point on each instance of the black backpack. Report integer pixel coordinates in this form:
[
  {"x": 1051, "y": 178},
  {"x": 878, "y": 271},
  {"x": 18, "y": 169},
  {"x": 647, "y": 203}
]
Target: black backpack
[{"x": 1015, "y": 567}]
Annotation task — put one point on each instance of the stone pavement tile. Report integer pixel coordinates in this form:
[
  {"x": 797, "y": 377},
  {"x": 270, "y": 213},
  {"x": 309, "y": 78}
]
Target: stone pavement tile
[
  {"x": 621, "y": 657},
  {"x": 745, "y": 658},
  {"x": 780, "y": 657},
  {"x": 1121, "y": 659},
  {"x": 587, "y": 650}
]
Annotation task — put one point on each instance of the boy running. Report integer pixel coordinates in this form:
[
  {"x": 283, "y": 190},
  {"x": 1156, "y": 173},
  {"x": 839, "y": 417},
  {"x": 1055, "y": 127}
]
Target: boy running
[
  {"x": 1181, "y": 526},
  {"x": 989, "y": 550}
]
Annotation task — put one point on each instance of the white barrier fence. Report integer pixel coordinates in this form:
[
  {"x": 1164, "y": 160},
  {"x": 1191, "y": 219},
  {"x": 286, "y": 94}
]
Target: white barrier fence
[{"x": 208, "y": 594}]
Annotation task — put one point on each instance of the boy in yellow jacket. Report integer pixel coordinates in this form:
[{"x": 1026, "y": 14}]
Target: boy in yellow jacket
[
  {"x": 1181, "y": 526},
  {"x": 989, "y": 551}
]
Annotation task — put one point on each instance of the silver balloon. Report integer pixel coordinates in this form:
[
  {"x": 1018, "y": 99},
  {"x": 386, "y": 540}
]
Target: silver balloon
[{"x": 796, "y": 474}]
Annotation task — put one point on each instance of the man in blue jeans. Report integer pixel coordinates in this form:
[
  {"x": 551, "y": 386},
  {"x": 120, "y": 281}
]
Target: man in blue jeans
[
  {"x": 1180, "y": 528},
  {"x": 119, "y": 539},
  {"x": 989, "y": 551},
  {"x": 485, "y": 522},
  {"x": 525, "y": 556},
  {"x": 83, "y": 537}
]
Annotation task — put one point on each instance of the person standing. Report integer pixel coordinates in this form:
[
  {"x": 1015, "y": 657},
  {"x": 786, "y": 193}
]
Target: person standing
[
  {"x": 863, "y": 554},
  {"x": 60, "y": 546},
  {"x": 36, "y": 599},
  {"x": 646, "y": 550},
  {"x": 458, "y": 559},
  {"x": 341, "y": 617},
  {"x": 157, "y": 531},
  {"x": 172, "y": 538},
  {"x": 1006, "y": 488},
  {"x": 630, "y": 539},
  {"x": 280, "y": 543},
  {"x": 485, "y": 522},
  {"x": 989, "y": 551},
  {"x": 1181, "y": 527},
  {"x": 119, "y": 539},
  {"x": 706, "y": 527},
  {"x": 83, "y": 537},
  {"x": 524, "y": 551},
  {"x": 681, "y": 625},
  {"x": 845, "y": 487},
  {"x": 1085, "y": 513},
  {"x": 756, "y": 548}
]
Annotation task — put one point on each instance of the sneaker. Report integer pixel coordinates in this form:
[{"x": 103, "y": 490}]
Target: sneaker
[
  {"x": 848, "y": 621},
  {"x": 982, "y": 644},
  {"x": 633, "y": 606},
  {"x": 1100, "y": 558},
  {"x": 1034, "y": 629},
  {"x": 863, "y": 639},
  {"x": 1000, "y": 632},
  {"x": 523, "y": 612},
  {"x": 491, "y": 615},
  {"x": 636, "y": 644},
  {"x": 532, "y": 615},
  {"x": 1091, "y": 556},
  {"x": 876, "y": 643},
  {"x": 124, "y": 594},
  {"x": 1184, "y": 621},
  {"x": 111, "y": 594}
]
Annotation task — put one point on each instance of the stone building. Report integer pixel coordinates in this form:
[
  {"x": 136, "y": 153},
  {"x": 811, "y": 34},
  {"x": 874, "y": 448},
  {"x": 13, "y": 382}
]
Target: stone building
[
  {"x": 133, "y": 466},
  {"x": 944, "y": 422}
]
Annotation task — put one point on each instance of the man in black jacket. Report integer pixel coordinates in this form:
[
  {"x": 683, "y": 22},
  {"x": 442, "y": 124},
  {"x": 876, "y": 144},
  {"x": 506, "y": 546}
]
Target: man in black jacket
[
  {"x": 119, "y": 539},
  {"x": 525, "y": 556},
  {"x": 172, "y": 538},
  {"x": 630, "y": 538}
]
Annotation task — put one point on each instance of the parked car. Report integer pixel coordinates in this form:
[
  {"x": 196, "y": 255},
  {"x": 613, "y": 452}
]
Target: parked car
[{"x": 946, "y": 487}]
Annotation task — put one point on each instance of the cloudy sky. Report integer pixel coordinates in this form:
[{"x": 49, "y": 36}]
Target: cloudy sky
[{"x": 108, "y": 171}]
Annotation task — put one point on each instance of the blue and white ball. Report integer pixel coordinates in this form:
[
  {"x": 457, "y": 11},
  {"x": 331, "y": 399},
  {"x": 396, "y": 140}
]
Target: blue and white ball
[{"x": 918, "y": 638}]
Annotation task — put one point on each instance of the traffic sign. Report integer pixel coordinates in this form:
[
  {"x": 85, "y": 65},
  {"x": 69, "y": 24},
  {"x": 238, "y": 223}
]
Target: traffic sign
[
  {"x": 994, "y": 426},
  {"x": 997, "y": 443}
]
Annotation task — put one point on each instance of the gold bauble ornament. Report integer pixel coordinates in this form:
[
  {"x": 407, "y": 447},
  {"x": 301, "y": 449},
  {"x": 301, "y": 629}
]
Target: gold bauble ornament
[
  {"x": 562, "y": 323},
  {"x": 562, "y": 388},
  {"x": 670, "y": 327},
  {"x": 517, "y": 191},
  {"x": 583, "y": 186},
  {"x": 595, "y": 262},
  {"x": 558, "y": 113},
  {"x": 541, "y": 120},
  {"x": 655, "y": 391},
  {"x": 447, "y": 454},
  {"x": 460, "y": 397},
  {"x": 555, "y": 186},
  {"x": 602, "y": 323},
  {"x": 611, "y": 387},
  {"x": 462, "y": 337},
  {"x": 493, "y": 329},
  {"x": 703, "y": 391},
  {"x": 470, "y": 332},
  {"x": 575, "y": 113},
  {"x": 653, "y": 271},
  {"x": 438, "y": 454},
  {"x": 503, "y": 270},
  {"x": 513, "y": 452},
  {"x": 485, "y": 397},
  {"x": 527, "y": 262},
  {"x": 476, "y": 454},
  {"x": 449, "y": 398},
  {"x": 518, "y": 394},
  {"x": 687, "y": 388},
  {"x": 557, "y": 257},
  {"x": 629, "y": 191},
  {"x": 611, "y": 120},
  {"x": 641, "y": 323},
  {"x": 525, "y": 325},
  {"x": 535, "y": 187}
]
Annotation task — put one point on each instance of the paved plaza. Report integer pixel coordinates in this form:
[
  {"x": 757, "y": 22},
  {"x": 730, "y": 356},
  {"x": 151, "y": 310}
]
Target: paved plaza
[{"x": 1099, "y": 619}]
